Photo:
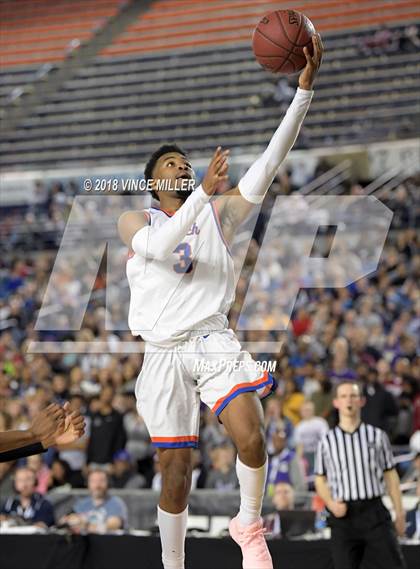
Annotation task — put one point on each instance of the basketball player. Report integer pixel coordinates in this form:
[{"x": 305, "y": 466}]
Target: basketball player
[{"x": 182, "y": 285}]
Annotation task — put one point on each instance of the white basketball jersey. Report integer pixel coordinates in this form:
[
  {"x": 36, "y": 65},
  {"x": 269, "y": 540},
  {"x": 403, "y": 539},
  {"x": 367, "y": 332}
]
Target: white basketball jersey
[{"x": 192, "y": 289}]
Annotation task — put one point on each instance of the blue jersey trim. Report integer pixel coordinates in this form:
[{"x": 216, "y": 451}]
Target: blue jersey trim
[
  {"x": 269, "y": 381},
  {"x": 188, "y": 444}
]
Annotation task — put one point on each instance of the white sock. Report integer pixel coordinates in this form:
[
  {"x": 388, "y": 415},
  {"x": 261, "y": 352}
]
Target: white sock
[
  {"x": 173, "y": 528},
  {"x": 252, "y": 488}
]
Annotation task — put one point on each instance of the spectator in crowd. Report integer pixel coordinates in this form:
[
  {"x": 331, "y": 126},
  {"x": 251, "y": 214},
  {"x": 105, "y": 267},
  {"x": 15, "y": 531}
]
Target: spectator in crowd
[
  {"x": 323, "y": 398},
  {"x": 284, "y": 464},
  {"x": 6, "y": 480},
  {"x": 222, "y": 475},
  {"x": 27, "y": 506},
  {"x": 157, "y": 477},
  {"x": 199, "y": 474},
  {"x": 74, "y": 454},
  {"x": 107, "y": 434},
  {"x": 380, "y": 409},
  {"x": 301, "y": 323},
  {"x": 409, "y": 40},
  {"x": 283, "y": 500},
  {"x": 308, "y": 433},
  {"x": 292, "y": 401},
  {"x": 413, "y": 517},
  {"x": 415, "y": 442},
  {"x": 100, "y": 512},
  {"x": 123, "y": 474},
  {"x": 412, "y": 476},
  {"x": 383, "y": 40},
  {"x": 340, "y": 369},
  {"x": 60, "y": 475},
  {"x": 37, "y": 464},
  {"x": 278, "y": 91},
  {"x": 212, "y": 434},
  {"x": 138, "y": 439},
  {"x": 273, "y": 413}
]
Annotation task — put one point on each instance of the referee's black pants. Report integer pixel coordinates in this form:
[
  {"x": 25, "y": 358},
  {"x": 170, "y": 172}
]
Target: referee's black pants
[{"x": 365, "y": 538}]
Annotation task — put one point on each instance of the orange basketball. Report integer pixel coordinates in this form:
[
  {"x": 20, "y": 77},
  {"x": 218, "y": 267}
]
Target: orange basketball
[{"x": 279, "y": 39}]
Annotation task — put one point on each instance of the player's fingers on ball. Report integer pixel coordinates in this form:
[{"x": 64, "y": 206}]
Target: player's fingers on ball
[
  {"x": 318, "y": 52},
  {"x": 320, "y": 47},
  {"x": 307, "y": 55}
]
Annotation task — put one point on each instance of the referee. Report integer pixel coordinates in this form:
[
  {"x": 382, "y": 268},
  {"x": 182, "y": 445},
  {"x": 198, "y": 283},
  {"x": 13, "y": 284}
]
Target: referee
[{"x": 354, "y": 464}]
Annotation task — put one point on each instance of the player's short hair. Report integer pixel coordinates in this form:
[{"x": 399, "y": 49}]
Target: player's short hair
[{"x": 164, "y": 149}]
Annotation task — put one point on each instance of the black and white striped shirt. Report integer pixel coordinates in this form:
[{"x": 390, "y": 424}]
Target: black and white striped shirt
[{"x": 354, "y": 463}]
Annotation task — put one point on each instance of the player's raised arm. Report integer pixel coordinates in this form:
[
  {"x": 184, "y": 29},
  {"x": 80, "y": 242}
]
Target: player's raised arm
[
  {"x": 159, "y": 242},
  {"x": 257, "y": 180}
]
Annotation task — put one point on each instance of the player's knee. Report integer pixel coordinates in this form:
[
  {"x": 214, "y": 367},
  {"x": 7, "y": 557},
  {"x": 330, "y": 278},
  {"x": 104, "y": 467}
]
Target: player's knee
[{"x": 252, "y": 443}]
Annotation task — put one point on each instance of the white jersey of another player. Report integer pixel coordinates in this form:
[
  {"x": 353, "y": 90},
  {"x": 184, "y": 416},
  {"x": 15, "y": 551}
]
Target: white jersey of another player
[{"x": 192, "y": 289}]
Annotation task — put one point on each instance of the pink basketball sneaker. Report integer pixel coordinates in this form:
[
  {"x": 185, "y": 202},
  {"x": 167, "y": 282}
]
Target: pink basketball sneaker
[{"x": 251, "y": 540}]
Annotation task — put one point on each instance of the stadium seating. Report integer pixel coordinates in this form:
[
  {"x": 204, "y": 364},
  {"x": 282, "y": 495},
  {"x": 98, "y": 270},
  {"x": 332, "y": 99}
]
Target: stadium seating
[
  {"x": 135, "y": 94},
  {"x": 44, "y": 32},
  {"x": 183, "y": 23}
]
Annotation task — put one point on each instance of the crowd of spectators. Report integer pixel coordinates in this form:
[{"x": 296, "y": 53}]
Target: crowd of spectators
[
  {"x": 368, "y": 331},
  {"x": 390, "y": 40}
]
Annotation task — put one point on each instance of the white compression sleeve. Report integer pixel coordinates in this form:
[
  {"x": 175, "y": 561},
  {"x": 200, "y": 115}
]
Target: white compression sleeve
[
  {"x": 257, "y": 180},
  {"x": 158, "y": 243}
]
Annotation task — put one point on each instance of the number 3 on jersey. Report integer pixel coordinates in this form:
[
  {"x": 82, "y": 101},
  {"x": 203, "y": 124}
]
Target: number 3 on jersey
[{"x": 185, "y": 264}]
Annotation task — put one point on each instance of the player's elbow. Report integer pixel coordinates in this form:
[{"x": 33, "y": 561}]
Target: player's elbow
[
  {"x": 129, "y": 223},
  {"x": 124, "y": 230}
]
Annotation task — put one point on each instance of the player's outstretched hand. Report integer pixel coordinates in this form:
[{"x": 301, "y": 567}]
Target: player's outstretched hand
[
  {"x": 73, "y": 428},
  {"x": 216, "y": 172},
  {"x": 47, "y": 422},
  {"x": 307, "y": 77}
]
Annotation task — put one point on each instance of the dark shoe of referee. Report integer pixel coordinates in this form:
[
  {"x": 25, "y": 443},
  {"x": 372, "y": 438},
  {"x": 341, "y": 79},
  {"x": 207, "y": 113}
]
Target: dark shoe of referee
[{"x": 354, "y": 465}]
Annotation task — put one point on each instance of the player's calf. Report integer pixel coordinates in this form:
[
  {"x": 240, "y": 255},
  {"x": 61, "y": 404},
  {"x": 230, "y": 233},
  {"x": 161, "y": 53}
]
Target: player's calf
[{"x": 176, "y": 471}]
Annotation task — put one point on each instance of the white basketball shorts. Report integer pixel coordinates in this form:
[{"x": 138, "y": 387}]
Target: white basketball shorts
[{"x": 212, "y": 368}]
